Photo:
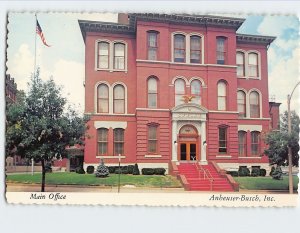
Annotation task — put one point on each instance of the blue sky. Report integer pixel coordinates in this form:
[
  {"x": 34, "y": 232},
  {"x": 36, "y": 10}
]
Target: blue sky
[{"x": 64, "y": 60}]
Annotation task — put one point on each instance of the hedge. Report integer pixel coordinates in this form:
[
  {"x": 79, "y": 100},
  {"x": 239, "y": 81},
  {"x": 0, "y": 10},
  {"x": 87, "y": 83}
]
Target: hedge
[{"x": 90, "y": 169}]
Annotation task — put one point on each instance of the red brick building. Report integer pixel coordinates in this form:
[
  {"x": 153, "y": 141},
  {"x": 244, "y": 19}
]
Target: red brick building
[{"x": 168, "y": 88}]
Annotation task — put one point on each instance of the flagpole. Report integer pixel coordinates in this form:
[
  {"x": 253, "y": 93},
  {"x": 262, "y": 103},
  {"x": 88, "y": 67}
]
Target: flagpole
[{"x": 35, "y": 46}]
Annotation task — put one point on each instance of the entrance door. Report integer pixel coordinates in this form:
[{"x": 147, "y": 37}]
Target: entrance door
[{"x": 188, "y": 151}]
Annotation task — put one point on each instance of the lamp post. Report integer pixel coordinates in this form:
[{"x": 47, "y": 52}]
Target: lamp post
[{"x": 289, "y": 133}]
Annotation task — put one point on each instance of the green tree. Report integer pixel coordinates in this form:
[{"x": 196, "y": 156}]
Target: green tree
[
  {"x": 278, "y": 141},
  {"x": 39, "y": 126}
]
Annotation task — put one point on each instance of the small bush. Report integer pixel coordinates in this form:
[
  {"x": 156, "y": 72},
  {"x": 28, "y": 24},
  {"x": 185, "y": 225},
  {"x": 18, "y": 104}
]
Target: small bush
[
  {"x": 102, "y": 171},
  {"x": 272, "y": 170},
  {"x": 136, "y": 170},
  {"x": 79, "y": 170},
  {"x": 122, "y": 170},
  {"x": 148, "y": 171},
  {"x": 262, "y": 172},
  {"x": 244, "y": 171},
  {"x": 255, "y": 171},
  {"x": 90, "y": 169},
  {"x": 111, "y": 169},
  {"x": 277, "y": 173},
  {"x": 48, "y": 167},
  {"x": 159, "y": 171},
  {"x": 130, "y": 169},
  {"x": 233, "y": 173}
]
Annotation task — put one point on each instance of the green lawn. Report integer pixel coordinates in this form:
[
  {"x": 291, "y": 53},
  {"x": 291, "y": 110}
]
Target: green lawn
[
  {"x": 90, "y": 179},
  {"x": 266, "y": 183}
]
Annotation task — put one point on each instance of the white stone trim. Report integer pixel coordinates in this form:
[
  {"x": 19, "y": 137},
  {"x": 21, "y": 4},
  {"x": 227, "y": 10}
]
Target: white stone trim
[
  {"x": 110, "y": 157},
  {"x": 180, "y": 77},
  {"x": 153, "y": 156},
  {"x": 96, "y": 95},
  {"x": 96, "y": 54},
  {"x": 249, "y": 158},
  {"x": 112, "y": 97},
  {"x": 199, "y": 79},
  {"x": 246, "y": 60},
  {"x": 221, "y": 111},
  {"x": 260, "y": 102},
  {"x": 154, "y": 109},
  {"x": 250, "y": 128},
  {"x": 224, "y": 156},
  {"x": 110, "y": 124},
  {"x": 113, "y": 114}
]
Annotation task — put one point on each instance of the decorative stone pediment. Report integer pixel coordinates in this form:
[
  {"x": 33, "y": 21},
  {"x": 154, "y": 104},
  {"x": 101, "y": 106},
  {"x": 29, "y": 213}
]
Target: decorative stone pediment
[{"x": 188, "y": 112}]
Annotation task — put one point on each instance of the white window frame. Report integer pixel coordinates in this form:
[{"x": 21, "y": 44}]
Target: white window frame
[
  {"x": 111, "y": 55},
  {"x": 246, "y": 54}
]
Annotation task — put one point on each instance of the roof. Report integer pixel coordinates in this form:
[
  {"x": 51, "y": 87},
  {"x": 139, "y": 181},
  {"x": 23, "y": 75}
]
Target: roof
[{"x": 196, "y": 20}]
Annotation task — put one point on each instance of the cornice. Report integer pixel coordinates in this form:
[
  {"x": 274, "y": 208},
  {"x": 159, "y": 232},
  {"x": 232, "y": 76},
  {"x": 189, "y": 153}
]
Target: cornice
[{"x": 256, "y": 39}]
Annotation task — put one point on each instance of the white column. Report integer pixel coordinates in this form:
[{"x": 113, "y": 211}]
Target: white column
[
  {"x": 203, "y": 160},
  {"x": 174, "y": 138}
]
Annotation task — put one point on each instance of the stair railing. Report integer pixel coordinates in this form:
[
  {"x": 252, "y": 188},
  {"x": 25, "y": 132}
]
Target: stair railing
[{"x": 206, "y": 174}]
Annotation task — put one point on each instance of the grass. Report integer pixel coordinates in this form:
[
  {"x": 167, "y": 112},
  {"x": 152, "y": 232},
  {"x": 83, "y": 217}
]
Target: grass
[
  {"x": 266, "y": 183},
  {"x": 71, "y": 178}
]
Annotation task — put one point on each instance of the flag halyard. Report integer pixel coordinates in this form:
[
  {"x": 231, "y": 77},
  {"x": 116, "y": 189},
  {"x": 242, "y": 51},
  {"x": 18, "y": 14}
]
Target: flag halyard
[{"x": 40, "y": 33}]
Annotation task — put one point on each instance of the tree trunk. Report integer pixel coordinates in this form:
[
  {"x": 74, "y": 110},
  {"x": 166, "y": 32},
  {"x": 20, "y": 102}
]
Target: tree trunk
[{"x": 43, "y": 176}]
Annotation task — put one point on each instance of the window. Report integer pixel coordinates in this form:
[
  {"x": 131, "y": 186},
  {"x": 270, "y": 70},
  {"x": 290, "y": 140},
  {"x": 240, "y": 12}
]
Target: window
[
  {"x": 102, "y": 95},
  {"x": 118, "y": 141},
  {"x": 242, "y": 143},
  {"x": 241, "y": 101},
  {"x": 223, "y": 139},
  {"x": 254, "y": 105},
  {"x": 152, "y": 139},
  {"x": 179, "y": 91},
  {"x": 152, "y": 93},
  {"x": 119, "y": 56},
  {"x": 255, "y": 143},
  {"x": 179, "y": 48},
  {"x": 196, "y": 91},
  {"x": 221, "y": 50},
  {"x": 102, "y": 141},
  {"x": 222, "y": 95},
  {"x": 240, "y": 62},
  {"x": 119, "y": 99},
  {"x": 253, "y": 64},
  {"x": 103, "y": 55},
  {"x": 152, "y": 45},
  {"x": 195, "y": 49}
]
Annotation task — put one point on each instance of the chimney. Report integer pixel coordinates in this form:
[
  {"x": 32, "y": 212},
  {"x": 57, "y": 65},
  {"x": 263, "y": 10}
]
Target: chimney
[{"x": 123, "y": 18}]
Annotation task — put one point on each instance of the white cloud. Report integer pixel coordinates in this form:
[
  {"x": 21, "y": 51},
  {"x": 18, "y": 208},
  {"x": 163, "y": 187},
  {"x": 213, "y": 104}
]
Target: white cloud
[
  {"x": 283, "y": 78},
  {"x": 276, "y": 25}
]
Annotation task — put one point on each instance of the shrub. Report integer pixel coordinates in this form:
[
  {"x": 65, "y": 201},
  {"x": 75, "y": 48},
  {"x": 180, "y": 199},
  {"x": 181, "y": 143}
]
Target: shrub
[
  {"x": 159, "y": 171},
  {"x": 130, "y": 169},
  {"x": 148, "y": 171},
  {"x": 136, "y": 170},
  {"x": 244, "y": 171},
  {"x": 90, "y": 169},
  {"x": 277, "y": 173},
  {"x": 48, "y": 167},
  {"x": 122, "y": 170},
  {"x": 79, "y": 170},
  {"x": 262, "y": 172},
  {"x": 255, "y": 171},
  {"x": 272, "y": 170},
  {"x": 233, "y": 173},
  {"x": 102, "y": 171}
]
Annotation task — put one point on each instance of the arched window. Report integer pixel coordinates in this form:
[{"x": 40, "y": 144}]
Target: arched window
[
  {"x": 152, "y": 92},
  {"x": 241, "y": 101},
  {"x": 179, "y": 91},
  {"x": 223, "y": 140},
  {"x": 255, "y": 143},
  {"x": 254, "y": 104},
  {"x": 195, "y": 49},
  {"x": 152, "y": 43},
  {"x": 179, "y": 48},
  {"x": 103, "y": 55},
  {"x": 119, "y": 56},
  {"x": 242, "y": 143},
  {"x": 196, "y": 91},
  {"x": 253, "y": 64},
  {"x": 118, "y": 141},
  {"x": 222, "y": 95},
  {"x": 102, "y": 97},
  {"x": 119, "y": 99},
  {"x": 221, "y": 50},
  {"x": 240, "y": 62},
  {"x": 152, "y": 138},
  {"x": 102, "y": 141}
]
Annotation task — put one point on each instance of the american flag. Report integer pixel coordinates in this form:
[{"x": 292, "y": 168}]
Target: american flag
[{"x": 40, "y": 33}]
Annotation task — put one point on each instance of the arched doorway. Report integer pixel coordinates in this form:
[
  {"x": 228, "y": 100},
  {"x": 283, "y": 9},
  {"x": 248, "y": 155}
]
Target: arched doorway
[{"x": 188, "y": 143}]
